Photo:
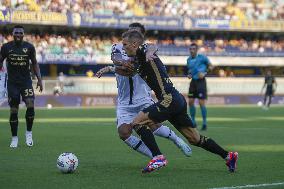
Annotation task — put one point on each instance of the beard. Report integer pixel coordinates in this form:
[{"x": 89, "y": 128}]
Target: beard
[{"x": 18, "y": 40}]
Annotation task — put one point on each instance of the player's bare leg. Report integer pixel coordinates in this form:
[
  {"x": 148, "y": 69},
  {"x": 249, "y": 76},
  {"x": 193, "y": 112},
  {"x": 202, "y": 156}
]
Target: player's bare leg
[
  {"x": 194, "y": 138},
  {"x": 140, "y": 124},
  {"x": 30, "y": 113},
  {"x": 14, "y": 125}
]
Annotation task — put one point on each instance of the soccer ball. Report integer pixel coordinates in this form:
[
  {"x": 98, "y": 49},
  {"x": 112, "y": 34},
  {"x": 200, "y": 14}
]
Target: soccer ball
[
  {"x": 67, "y": 162},
  {"x": 259, "y": 103}
]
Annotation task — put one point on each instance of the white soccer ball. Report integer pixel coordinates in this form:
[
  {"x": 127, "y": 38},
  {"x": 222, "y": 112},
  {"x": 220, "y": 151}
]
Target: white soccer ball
[
  {"x": 67, "y": 162},
  {"x": 49, "y": 106},
  {"x": 259, "y": 103}
]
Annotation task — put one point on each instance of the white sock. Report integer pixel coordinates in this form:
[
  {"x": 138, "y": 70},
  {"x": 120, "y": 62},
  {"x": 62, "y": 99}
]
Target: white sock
[
  {"x": 29, "y": 132},
  {"x": 138, "y": 145},
  {"x": 166, "y": 132}
]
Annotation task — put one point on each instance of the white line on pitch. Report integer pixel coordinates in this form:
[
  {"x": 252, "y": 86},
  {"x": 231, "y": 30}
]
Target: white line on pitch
[{"x": 252, "y": 186}]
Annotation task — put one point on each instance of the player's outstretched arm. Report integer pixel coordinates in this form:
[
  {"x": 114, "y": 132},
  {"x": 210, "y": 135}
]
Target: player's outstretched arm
[
  {"x": 36, "y": 69},
  {"x": 263, "y": 88},
  {"x": 274, "y": 85},
  {"x": 105, "y": 70},
  {"x": 124, "y": 71}
]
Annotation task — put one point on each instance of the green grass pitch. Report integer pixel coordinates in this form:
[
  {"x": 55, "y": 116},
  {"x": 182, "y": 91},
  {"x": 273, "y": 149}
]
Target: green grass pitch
[{"x": 106, "y": 162}]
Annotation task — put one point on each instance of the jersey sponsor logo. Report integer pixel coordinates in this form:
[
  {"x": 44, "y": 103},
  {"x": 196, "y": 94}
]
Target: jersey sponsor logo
[
  {"x": 18, "y": 60},
  {"x": 11, "y": 50}
]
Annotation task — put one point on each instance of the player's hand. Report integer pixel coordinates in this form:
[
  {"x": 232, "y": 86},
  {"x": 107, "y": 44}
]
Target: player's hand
[
  {"x": 189, "y": 76},
  {"x": 211, "y": 67},
  {"x": 102, "y": 71},
  {"x": 201, "y": 75},
  {"x": 39, "y": 85},
  {"x": 128, "y": 66}
]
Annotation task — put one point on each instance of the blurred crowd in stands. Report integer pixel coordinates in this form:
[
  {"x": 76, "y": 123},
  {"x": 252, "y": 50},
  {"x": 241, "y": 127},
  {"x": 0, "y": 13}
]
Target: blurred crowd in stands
[
  {"x": 221, "y": 9},
  {"x": 168, "y": 45}
]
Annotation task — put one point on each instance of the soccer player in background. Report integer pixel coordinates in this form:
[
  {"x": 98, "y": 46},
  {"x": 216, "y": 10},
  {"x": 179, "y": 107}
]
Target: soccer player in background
[
  {"x": 271, "y": 85},
  {"x": 133, "y": 96},
  {"x": 171, "y": 104},
  {"x": 197, "y": 65},
  {"x": 18, "y": 54}
]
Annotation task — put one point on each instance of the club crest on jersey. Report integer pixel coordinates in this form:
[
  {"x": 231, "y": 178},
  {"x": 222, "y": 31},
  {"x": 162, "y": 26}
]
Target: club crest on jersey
[{"x": 25, "y": 50}]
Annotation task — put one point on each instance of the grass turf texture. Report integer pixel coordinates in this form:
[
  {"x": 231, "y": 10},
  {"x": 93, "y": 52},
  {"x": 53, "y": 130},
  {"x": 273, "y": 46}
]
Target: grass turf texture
[{"x": 106, "y": 162}]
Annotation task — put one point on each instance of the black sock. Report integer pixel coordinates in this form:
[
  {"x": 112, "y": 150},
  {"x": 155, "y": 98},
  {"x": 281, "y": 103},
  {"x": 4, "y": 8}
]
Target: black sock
[
  {"x": 211, "y": 146},
  {"x": 269, "y": 101},
  {"x": 264, "y": 101},
  {"x": 30, "y": 113},
  {"x": 148, "y": 138},
  {"x": 14, "y": 123}
]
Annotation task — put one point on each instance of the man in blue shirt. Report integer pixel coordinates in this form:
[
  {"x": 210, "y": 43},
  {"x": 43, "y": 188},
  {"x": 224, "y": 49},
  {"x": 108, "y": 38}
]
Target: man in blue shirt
[{"x": 197, "y": 65}]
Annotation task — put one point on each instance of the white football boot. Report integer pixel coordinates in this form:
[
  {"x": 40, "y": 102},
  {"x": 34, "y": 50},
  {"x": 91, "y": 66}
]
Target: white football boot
[
  {"x": 14, "y": 142},
  {"x": 29, "y": 138}
]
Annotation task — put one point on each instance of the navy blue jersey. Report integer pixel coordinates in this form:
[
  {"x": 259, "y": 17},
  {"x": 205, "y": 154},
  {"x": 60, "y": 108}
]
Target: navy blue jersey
[
  {"x": 18, "y": 60},
  {"x": 269, "y": 80},
  {"x": 154, "y": 73}
]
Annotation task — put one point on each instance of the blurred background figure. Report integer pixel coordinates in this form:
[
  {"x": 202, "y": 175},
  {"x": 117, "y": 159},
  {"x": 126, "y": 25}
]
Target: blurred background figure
[
  {"x": 198, "y": 65},
  {"x": 270, "y": 86},
  {"x": 61, "y": 81}
]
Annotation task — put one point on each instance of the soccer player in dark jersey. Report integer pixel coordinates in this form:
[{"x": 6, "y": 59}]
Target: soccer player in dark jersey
[
  {"x": 18, "y": 54},
  {"x": 271, "y": 85},
  {"x": 197, "y": 65},
  {"x": 171, "y": 104}
]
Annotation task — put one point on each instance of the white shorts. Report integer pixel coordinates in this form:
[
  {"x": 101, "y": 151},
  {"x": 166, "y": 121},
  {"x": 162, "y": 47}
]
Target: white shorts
[{"x": 127, "y": 113}]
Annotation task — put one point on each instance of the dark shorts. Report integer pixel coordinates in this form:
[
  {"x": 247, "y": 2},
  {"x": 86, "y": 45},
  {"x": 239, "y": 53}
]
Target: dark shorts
[
  {"x": 172, "y": 107},
  {"x": 18, "y": 90},
  {"x": 198, "y": 89},
  {"x": 269, "y": 91}
]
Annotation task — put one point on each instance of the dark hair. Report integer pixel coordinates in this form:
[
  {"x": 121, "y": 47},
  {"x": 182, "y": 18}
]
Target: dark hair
[
  {"x": 194, "y": 44},
  {"x": 138, "y": 25},
  {"x": 134, "y": 35},
  {"x": 18, "y": 26}
]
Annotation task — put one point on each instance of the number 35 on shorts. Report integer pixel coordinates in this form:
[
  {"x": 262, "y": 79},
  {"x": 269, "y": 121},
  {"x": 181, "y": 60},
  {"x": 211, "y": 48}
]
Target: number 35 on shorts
[{"x": 28, "y": 92}]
